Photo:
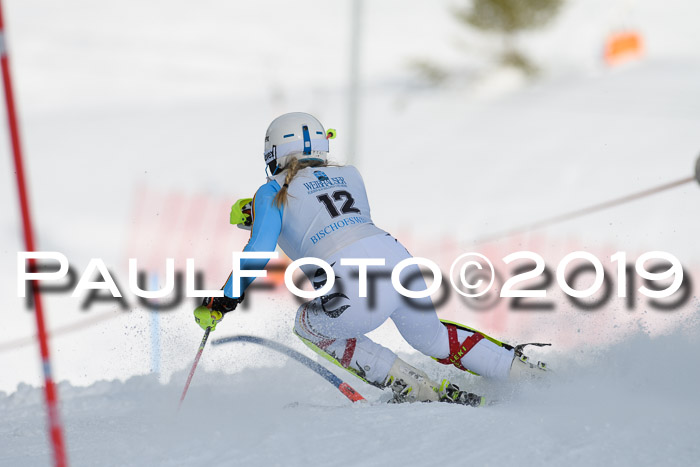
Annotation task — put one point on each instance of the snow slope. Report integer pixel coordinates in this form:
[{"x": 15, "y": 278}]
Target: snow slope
[{"x": 632, "y": 404}]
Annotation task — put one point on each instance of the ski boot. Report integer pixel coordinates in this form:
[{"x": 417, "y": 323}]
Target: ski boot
[
  {"x": 522, "y": 369},
  {"x": 451, "y": 394},
  {"x": 409, "y": 384}
]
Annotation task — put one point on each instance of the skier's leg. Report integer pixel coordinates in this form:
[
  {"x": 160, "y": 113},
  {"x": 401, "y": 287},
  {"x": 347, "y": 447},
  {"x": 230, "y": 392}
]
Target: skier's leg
[
  {"x": 452, "y": 343},
  {"x": 419, "y": 325},
  {"x": 466, "y": 348},
  {"x": 424, "y": 332},
  {"x": 520, "y": 368},
  {"x": 357, "y": 354},
  {"x": 373, "y": 363},
  {"x": 335, "y": 325},
  {"x": 366, "y": 359}
]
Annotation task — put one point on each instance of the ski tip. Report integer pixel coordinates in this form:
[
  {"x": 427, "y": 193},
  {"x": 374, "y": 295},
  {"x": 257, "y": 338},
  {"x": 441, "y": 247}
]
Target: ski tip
[{"x": 350, "y": 393}]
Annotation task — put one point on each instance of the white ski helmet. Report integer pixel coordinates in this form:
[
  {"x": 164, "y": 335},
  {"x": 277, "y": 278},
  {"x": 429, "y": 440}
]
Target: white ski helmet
[{"x": 294, "y": 134}]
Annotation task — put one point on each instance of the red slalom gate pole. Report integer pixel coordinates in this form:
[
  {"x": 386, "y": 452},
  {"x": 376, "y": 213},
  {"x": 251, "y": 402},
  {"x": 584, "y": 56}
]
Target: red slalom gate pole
[{"x": 55, "y": 427}]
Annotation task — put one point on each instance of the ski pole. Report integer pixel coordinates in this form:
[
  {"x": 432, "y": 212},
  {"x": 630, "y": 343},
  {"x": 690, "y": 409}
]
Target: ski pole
[{"x": 194, "y": 365}]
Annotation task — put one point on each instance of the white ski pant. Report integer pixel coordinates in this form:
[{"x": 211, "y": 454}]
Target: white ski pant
[{"x": 338, "y": 321}]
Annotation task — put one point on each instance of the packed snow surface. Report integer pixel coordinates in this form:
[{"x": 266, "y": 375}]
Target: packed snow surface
[{"x": 632, "y": 404}]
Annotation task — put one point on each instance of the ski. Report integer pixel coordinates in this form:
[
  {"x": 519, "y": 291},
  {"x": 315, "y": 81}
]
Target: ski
[{"x": 341, "y": 385}]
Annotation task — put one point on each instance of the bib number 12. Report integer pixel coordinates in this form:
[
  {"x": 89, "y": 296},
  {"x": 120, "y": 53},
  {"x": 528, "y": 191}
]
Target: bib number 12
[{"x": 347, "y": 207}]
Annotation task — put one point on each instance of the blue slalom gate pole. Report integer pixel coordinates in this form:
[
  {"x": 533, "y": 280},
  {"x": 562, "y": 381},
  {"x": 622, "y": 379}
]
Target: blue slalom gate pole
[{"x": 155, "y": 331}]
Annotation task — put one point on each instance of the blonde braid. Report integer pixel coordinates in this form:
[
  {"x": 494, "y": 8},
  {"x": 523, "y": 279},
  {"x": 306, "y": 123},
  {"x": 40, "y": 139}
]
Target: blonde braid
[{"x": 292, "y": 168}]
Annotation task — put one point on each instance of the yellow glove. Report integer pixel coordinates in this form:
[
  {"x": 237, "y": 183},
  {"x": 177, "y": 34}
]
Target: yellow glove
[
  {"x": 207, "y": 318},
  {"x": 241, "y": 213}
]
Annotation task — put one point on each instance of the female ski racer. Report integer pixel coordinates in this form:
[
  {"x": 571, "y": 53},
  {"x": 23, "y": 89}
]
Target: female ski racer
[{"x": 311, "y": 208}]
